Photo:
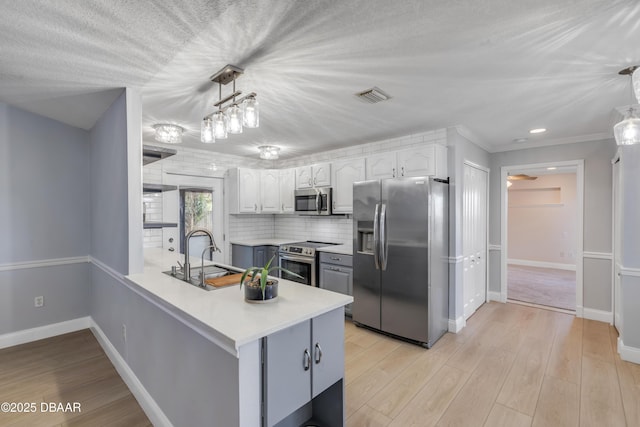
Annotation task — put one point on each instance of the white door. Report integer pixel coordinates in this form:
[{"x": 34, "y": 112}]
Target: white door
[
  {"x": 381, "y": 166},
  {"x": 249, "y": 190},
  {"x": 287, "y": 182},
  {"x": 321, "y": 174},
  {"x": 417, "y": 161},
  {"x": 617, "y": 250},
  {"x": 474, "y": 238}
]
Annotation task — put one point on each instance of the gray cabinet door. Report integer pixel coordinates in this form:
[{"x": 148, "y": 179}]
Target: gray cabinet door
[
  {"x": 272, "y": 252},
  {"x": 241, "y": 256},
  {"x": 288, "y": 377},
  {"x": 327, "y": 346},
  {"x": 260, "y": 256},
  {"x": 335, "y": 278}
]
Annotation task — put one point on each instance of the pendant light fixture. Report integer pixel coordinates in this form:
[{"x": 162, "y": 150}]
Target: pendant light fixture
[
  {"x": 627, "y": 131},
  {"x": 233, "y": 117}
]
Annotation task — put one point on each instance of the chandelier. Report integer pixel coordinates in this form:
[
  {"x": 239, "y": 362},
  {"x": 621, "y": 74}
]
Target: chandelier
[
  {"x": 168, "y": 133},
  {"x": 627, "y": 131},
  {"x": 235, "y": 115}
]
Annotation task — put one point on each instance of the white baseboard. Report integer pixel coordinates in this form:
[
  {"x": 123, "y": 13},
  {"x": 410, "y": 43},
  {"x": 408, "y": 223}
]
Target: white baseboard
[
  {"x": 496, "y": 296},
  {"x": 456, "y": 325},
  {"x": 42, "y": 332},
  {"x": 149, "y": 406},
  {"x": 599, "y": 315},
  {"x": 630, "y": 354},
  {"x": 542, "y": 264}
]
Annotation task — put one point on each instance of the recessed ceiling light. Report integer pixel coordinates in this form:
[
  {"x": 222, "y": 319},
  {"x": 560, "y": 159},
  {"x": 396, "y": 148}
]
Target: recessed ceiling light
[
  {"x": 537, "y": 130},
  {"x": 552, "y": 168},
  {"x": 517, "y": 140}
]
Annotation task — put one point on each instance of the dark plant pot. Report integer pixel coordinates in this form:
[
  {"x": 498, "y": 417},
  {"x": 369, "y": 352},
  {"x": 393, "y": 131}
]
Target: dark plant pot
[{"x": 253, "y": 294}]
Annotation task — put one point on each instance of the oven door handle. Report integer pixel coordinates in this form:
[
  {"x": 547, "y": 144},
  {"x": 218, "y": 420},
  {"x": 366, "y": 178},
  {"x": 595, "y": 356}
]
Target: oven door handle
[{"x": 297, "y": 258}]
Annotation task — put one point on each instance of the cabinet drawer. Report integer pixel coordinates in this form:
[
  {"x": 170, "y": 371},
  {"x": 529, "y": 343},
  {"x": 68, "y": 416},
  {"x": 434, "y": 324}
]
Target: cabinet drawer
[{"x": 337, "y": 259}]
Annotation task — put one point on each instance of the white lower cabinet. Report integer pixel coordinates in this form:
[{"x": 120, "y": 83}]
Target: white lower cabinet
[{"x": 303, "y": 372}]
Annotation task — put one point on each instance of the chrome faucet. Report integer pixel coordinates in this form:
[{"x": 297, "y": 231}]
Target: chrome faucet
[
  {"x": 213, "y": 248},
  {"x": 187, "y": 266}
]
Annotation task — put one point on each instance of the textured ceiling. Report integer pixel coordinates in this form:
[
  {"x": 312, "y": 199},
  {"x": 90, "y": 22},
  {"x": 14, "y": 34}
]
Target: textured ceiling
[{"x": 496, "y": 67}]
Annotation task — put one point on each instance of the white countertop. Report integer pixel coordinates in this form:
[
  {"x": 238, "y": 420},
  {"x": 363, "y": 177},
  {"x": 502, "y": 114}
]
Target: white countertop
[
  {"x": 269, "y": 241},
  {"x": 230, "y": 321},
  {"x": 346, "y": 249}
]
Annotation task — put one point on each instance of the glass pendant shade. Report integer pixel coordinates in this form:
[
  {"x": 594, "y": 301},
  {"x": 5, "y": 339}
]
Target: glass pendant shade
[
  {"x": 220, "y": 125},
  {"x": 627, "y": 132},
  {"x": 206, "y": 131},
  {"x": 235, "y": 119},
  {"x": 251, "y": 112},
  {"x": 168, "y": 133}
]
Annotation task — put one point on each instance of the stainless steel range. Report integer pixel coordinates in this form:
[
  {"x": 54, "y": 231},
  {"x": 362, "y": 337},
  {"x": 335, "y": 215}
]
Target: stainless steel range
[{"x": 300, "y": 258}]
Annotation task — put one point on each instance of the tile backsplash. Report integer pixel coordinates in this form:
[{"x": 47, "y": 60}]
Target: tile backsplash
[{"x": 338, "y": 229}]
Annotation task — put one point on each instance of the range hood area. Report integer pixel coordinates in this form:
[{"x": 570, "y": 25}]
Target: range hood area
[{"x": 151, "y": 153}]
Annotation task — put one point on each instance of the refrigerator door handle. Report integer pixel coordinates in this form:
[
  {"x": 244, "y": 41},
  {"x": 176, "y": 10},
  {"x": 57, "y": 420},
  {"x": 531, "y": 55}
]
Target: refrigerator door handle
[
  {"x": 376, "y": 236},
  {"x": 383, "y": 237}
]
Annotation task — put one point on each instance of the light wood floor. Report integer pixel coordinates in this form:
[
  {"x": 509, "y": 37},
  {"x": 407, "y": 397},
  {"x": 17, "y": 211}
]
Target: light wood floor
[
  {"x": 67, "y": 368},
  {"x": 512, "y": 365}
]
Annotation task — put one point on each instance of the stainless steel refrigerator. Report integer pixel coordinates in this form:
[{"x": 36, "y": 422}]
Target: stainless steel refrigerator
[{"x": 401, "y": 257}]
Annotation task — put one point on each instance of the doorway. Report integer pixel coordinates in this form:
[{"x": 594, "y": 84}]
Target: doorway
[{"x": 542, "y": 235}]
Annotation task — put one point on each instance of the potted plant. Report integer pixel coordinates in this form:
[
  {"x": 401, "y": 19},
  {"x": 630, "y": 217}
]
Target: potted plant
[{"x": 258, "y": 287}]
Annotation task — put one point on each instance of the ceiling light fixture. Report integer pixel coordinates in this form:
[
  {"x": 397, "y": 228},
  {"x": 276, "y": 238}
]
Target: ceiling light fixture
[
  {"x": 168, "y": 133},
  {"x": 627, "y": 131},
  {"x": 269, "y": 152},
  {"x": 230, "y": 118},
  {"x": 537, "y": 130},
  {"x": 635, "y": 80}
]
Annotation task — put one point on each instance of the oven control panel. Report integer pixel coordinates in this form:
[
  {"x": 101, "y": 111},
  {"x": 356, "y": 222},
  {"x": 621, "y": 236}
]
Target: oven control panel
[{"x": 298, "y": 250}]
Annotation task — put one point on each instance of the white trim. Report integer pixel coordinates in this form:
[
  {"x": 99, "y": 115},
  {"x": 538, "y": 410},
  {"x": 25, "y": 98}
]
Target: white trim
[
  {"x": 633, "y": 272},
  {"x": 455, "y": 259},
  {"x": 598, "y": 255},
  {"x": 630, "y": 354},
  {"x": 148, "y": 404},
  {"x": 542, "y": 264},
  {"x": 599, "y": 315},
  {"x": 43, "y": 263},
  {"x": 495, "y": 247},
  {"x": 496, "y": 296},
  {"x": 162, "y": 306},
  {"x": 42, "y": 332},
  {"x": 456, "y": 325}
]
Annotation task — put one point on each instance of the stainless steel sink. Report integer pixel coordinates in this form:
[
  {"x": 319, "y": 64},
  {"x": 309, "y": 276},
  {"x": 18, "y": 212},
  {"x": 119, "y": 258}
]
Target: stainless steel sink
[{"x": 210, "y": 272}]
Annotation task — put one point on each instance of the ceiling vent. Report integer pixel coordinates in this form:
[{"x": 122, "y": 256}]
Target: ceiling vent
[{"x": 372, "y": 96}]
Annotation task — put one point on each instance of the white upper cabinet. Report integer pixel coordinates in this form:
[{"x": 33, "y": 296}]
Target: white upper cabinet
[
  {"x": 344, "y": 174},
  {"x": 321, "y": 174},
  {"x": 287, "y": 187},
  {"x": 318, "y": 175},
  {"x": 269, "y": 191},
  {"x": 381, "y": 166},
  {"x": 244, "y": 190},
  {"x": 429, "y": 160}
]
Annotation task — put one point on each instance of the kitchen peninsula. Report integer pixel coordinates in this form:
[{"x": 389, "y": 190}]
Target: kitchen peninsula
[{"x": 289, "y": 353}]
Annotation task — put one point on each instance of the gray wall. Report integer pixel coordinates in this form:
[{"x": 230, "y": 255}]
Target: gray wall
[
  {"x": 460, "y": 149},
  {"x": 597, "y": 157},
  {"x": 109, "y": 188},
  {"x": 44, "y": 214}
]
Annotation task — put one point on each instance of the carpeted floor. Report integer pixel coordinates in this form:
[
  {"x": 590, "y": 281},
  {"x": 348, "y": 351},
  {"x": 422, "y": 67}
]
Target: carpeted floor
[{"x": 544, "y": 286}]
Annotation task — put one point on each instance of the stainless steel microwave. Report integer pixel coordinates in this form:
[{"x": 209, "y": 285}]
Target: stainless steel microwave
[{"x": 313, "y": 201}]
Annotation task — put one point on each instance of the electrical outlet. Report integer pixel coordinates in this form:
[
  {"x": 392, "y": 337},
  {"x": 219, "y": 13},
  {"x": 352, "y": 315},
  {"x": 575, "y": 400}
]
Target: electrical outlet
[
  {"x": 38, "y": 301},
  {"x": 124, "y": 332}
]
